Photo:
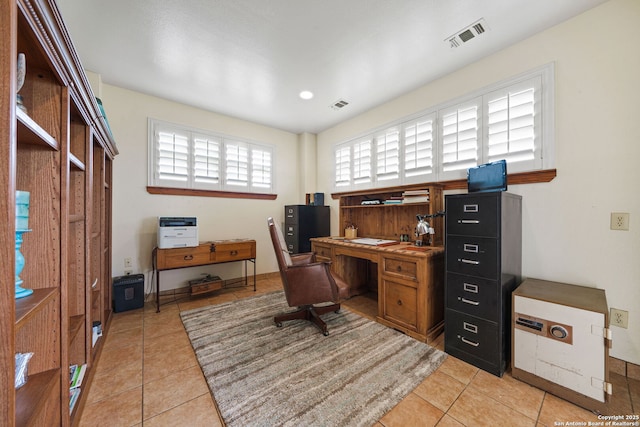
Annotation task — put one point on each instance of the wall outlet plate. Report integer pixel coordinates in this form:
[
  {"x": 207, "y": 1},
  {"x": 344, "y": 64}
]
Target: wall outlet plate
[
  {"x": 619, "y": 318},
  {"x": 620, "y": 221}
]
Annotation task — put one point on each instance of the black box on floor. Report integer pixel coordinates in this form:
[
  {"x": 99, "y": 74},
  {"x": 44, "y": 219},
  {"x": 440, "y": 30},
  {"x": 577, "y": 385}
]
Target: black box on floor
[{"x": 128, "y": 292}]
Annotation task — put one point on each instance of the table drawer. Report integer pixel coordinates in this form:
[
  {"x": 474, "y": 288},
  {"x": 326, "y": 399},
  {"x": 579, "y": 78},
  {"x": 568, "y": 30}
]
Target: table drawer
[
  {"x": 473, "y": 256},
  {"x": 472, "y": 335},
  {"x": 400, "y": 303},
  {"x": 407, "y": 269},
  {"x": 473, "y": 215},
  {"x": 183, "y": 257},
  {"x": 233, "y": 251},
  {"x": 473, "y": 295}
]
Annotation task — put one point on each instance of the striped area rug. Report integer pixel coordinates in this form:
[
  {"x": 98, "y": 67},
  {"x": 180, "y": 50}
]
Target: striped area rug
[{"x": 262, "y": 375}]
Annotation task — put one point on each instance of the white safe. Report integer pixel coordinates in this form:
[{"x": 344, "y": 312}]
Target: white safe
[
  {"x": 561, "y": 341},
  {"x": 177, "y": 232}
]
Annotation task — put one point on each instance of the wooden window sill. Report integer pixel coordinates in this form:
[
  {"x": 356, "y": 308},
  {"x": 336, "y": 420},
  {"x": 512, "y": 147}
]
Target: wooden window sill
[{"x": 168, "y": 191}]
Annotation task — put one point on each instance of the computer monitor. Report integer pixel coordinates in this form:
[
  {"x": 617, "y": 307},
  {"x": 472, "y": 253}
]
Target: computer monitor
[{"x": 488, "y": 177}]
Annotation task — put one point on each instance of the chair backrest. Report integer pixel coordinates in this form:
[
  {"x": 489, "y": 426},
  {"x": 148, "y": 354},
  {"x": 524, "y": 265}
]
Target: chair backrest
[{"x": 280, "y": 247}]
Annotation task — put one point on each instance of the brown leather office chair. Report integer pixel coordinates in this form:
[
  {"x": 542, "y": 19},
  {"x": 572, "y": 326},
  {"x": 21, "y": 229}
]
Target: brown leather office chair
[{"x": 306, "y": 282}]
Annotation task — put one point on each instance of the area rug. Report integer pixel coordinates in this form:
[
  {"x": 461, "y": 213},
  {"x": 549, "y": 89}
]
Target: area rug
[{"x": 263, "y": 375}]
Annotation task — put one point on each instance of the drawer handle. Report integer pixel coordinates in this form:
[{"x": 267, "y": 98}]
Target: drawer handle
[
  {"x": 470, "y": 327},
  {"x": 469, "y": 261},
  {"x": 466, "y": 341},
  {"x": 468, "y": 301},
  {"x": 468, "y": 221},
  {"x": 468, "y": 247},
  {"x": 470, "y": 208},
  {"x": 399, "y": 268},
  {"x": 469, "y": 287},
  {"x": 188, "y": 257},
  {"x": 399, "y": 302}
]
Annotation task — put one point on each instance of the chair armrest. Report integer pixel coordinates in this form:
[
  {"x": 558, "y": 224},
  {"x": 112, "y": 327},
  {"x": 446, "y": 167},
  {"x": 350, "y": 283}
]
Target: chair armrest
[{"x": 303, "y": 258}]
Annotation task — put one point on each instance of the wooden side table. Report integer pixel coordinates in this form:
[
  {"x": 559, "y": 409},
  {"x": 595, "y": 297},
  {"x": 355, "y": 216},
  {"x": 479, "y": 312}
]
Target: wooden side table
[{"x": 206, "y": 253}]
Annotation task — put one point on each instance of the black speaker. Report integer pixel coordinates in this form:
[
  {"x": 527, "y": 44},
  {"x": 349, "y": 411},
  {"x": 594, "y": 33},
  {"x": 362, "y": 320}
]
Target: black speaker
[{"x": 128, "y": 292}]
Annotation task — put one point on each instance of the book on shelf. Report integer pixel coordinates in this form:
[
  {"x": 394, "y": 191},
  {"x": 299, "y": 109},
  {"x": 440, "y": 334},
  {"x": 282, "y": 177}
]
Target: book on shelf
[
  {"x": 73, "y": 398},
  {"x": 76, "y": 375},
  {"x": 416, "y": 199},
  {"x": 415, "y": 193}
]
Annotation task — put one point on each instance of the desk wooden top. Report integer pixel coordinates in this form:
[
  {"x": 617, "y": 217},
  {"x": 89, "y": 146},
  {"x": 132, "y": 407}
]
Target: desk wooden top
[{"x": 404, "y": 248}]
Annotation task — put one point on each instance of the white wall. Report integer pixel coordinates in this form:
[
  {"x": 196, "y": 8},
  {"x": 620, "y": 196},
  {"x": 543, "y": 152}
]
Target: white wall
[
  {"x": 566, "y": 235},
  {"x": 135, "y": 211}
]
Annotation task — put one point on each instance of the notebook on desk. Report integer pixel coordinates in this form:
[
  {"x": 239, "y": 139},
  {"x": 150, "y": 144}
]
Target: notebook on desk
[{"x": 373, "y": 242}]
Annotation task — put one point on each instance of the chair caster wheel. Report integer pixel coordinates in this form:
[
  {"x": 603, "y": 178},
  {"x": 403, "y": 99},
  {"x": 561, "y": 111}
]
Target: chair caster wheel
[
  {"x": 279, "y": 324},
  {"x": 325, "y": 333},
  {"x": 337, "y": 312}
]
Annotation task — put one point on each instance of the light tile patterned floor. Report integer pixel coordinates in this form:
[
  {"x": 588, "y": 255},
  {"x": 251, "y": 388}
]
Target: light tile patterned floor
[{"x": 148, "y": 375}]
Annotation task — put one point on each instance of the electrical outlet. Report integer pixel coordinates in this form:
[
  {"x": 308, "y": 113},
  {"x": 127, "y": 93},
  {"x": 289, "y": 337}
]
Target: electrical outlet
[
  {"x": 128, "y": 263},
  {"x": 128, "y": 272},
  {"x": 620, "y": 221},
  {"x": 619, "y": 318}
]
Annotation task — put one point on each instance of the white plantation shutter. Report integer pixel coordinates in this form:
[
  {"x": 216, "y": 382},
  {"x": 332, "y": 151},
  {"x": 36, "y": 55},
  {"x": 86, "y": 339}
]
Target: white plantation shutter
[
  {"x": 460, "y": 138},
  {"x": 343, "y": 166},
  {"x": 512, "y": 129},
  {"x": 388, "y": 155},
  {"x": 189, "y": 159},
  {"x": 206, "y": 163},
  {"x": 418, "y": 148},
  {"x": 362, "y": 162},
  {"x": 261, "y": 168},
  {"x": 237, "y": 164},
  {"x": 172, "y": 154}
]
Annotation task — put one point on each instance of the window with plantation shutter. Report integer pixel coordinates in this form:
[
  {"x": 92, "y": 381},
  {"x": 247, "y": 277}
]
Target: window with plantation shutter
[
  {"x": 343, "y": 166},
  {"x": 513, "y": 125},
  {"x": 189, "y": 159},
  {"x": 206, "y": 167},
  {"x": 362, "y": 161},
  {"x": 418, "y": 149},
  {"x": 172, "y": 157},
  {"x": 460, "y": 137},
  {"x": 388, "y": 155}
]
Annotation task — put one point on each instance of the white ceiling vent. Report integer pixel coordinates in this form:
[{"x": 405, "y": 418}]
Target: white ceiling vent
[
  {"x": 466, "y": 34},
  {"x": 339, "y": 104}
]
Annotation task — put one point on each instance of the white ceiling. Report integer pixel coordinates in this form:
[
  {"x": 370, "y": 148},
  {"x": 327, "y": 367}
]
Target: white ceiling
[{"x": 250, "y": 58}]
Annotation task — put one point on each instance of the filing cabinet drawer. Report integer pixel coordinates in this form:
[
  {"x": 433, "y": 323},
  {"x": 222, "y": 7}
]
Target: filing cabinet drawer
[
  {"x": 400, "y": 303},
  {"x": 233, "y": 251},
  {"x": 472, "y": 335},
  {"x": 473, "y": 256},
  {"x": 473, "y": 295},
  {"x": 476, "y": 215},
  {"x": 183, "y": 257},
  {"x": 407, "y": 269}
]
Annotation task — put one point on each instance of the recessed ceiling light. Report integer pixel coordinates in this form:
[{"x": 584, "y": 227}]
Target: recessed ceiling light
[{"x": 306, "y": 94}]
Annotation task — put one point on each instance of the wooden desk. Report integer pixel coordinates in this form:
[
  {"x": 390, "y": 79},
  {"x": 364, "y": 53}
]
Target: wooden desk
[
  {"x": 215, "y": 252},
  {"x": 410, "y": 281}
]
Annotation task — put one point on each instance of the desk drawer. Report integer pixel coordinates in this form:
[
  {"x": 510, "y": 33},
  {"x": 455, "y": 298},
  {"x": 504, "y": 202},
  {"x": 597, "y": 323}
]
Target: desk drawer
[
  {"x": 407, "y": 269},
  {"x": 472, "y": 335},
  {"x": 473, "y": 295},
  {"x": 183, "y": 257},
  {"x": 323, "y": 253},
  {"x": 473, "y": 256},
  {"x": 400, "y": 303},
  {"x": 233, "y": 251}
]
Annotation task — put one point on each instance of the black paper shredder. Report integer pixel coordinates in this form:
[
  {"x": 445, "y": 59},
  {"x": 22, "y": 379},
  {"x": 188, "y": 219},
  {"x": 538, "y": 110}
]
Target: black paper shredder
[{"x": 128, "y": 292}]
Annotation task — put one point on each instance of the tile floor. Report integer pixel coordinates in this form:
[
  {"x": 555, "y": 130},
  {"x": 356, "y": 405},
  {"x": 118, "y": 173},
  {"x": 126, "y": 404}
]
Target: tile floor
[{"x": 148, "y": 376}]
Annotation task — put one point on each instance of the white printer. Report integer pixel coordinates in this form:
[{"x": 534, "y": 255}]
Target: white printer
[{"x": 177, "y": 232}]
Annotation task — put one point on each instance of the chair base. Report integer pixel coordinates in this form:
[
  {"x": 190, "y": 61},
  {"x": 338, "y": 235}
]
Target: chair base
[{"x": 310, "y": 313}]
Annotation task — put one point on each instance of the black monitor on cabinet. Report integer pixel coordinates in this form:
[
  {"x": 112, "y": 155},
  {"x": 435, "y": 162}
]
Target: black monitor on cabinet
[{"x": 487, "y": 177}]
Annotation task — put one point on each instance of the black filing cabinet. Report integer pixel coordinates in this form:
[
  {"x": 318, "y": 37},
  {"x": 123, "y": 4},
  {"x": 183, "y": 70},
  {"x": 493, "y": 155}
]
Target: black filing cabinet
[
  {"x": 301, "y": 223},
  {"x": 483, "y": 262}
]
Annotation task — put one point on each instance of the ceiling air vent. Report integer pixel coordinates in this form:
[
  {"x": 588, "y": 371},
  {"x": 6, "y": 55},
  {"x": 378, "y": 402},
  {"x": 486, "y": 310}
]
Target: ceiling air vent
[
  {"x": 466, "y": 34},
  {"x": 339, "y": 104}
]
